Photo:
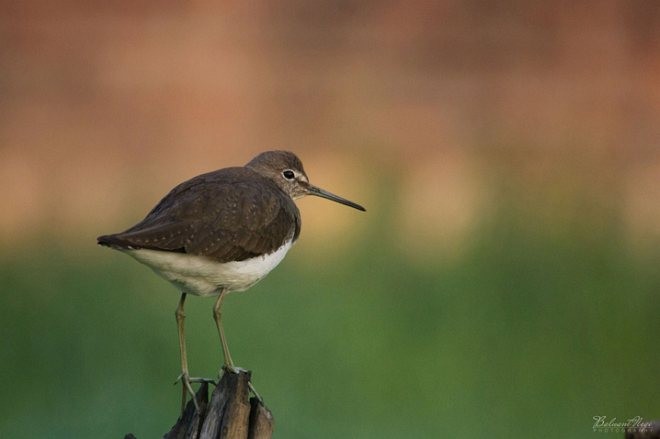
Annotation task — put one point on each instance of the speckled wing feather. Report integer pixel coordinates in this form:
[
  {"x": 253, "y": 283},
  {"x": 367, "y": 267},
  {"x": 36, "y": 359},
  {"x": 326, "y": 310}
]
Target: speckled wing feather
[{"x": 228, "y": 215}]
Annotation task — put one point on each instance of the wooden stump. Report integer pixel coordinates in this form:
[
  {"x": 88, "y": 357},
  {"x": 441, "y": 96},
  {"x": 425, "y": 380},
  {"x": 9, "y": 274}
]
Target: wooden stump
[{"x": 228, "y": 415}]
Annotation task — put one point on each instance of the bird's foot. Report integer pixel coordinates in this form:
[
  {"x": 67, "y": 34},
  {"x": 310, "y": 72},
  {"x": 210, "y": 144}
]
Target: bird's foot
[
  {"x": 254, "y": 392},
  {"x": 203, "y": 380},
  {"x": 187, "y": 388},
  {"x": 196, "y": 379},
  {"x": 230, "y": 368}
]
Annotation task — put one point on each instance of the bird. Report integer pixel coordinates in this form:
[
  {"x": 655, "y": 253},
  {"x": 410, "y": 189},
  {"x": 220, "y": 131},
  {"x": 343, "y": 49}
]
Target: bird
[{"x": 222, "y": 232}]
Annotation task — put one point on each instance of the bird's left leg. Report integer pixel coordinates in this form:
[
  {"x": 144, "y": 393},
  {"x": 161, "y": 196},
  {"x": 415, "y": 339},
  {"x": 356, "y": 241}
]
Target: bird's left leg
[{"x": 184, "y": 377}]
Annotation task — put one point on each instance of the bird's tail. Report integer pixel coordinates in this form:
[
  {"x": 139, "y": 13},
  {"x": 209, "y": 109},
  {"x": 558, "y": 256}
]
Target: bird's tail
[{"x": 110, "y": 241}]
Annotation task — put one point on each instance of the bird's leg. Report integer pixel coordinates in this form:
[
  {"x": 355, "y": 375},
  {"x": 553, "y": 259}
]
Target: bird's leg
[
  {"x": 229, "y": 364},
  {"x": 184, "y": 377}
]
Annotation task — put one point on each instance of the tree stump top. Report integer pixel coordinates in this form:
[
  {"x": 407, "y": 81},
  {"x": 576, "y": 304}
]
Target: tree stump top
[{"x": 229, "y": 414}]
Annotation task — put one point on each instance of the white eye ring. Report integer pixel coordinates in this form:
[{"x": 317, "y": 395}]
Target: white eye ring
[{"x": 288, "y": 174}]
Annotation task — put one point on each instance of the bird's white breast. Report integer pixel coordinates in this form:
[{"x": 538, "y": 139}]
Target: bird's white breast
[{"x": 202, "y": 276}]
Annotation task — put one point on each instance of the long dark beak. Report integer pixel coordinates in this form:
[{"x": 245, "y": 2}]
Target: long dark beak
[{"x": 313, "y": 190}]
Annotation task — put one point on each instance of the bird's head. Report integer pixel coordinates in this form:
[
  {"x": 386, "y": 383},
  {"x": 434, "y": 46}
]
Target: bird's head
[{"x": 286, "y": 170}]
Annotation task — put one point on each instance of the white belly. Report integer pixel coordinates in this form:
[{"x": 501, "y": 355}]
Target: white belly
[{"x": 201, "y": 276}]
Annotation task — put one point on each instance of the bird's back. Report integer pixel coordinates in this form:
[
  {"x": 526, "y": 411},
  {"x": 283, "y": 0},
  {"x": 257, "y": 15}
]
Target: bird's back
[{"x": 227, "y": 215}]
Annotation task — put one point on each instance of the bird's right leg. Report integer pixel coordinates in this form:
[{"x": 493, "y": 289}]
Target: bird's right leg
[
  {"x": 184, "y": 377},
  {"x": 217, "y": 316},
  {"x": 229, "y": 364}
]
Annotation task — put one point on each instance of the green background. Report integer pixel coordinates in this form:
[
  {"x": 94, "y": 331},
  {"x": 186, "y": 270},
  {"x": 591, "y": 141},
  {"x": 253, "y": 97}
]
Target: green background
[{"x": 533, "y": 331}]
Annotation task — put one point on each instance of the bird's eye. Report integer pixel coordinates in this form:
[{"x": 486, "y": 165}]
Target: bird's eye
[{"x": 288, "y": 174}]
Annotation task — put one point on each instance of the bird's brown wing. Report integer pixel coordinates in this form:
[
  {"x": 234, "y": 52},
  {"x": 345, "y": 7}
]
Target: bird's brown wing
[{"x": 228, "y": 215}]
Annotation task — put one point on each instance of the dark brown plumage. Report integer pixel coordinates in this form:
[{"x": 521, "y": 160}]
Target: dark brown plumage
[{"x": 231, "y": 214}]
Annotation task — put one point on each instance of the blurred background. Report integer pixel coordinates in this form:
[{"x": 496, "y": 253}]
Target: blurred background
[{"x": 504, "y": 281}]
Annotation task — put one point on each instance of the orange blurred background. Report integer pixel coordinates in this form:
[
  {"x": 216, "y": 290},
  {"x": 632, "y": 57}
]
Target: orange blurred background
[{"x": 107, "y": 105}]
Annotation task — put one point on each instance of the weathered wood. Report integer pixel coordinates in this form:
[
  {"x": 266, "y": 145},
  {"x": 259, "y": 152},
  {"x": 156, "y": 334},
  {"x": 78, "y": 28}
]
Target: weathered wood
[
  {"x": 228, "y": 415},
  {"x": 187, "y": 426},
  {"x": 261, "y": 421},
  {"x": 229, "y": 410}
]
